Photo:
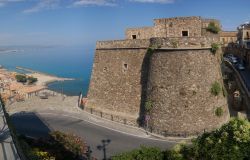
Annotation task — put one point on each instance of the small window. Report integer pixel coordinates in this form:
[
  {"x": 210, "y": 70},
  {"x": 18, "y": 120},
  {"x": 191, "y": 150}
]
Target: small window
[
  {"x": 105, "y": 69},
  {"x": 184, "y": 33},
  {"x": 134, "y": 36},
  {"x": 125, "y": 66}
]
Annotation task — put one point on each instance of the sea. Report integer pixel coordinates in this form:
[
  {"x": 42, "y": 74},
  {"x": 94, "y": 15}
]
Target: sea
[{"x": 68, "y": 62}]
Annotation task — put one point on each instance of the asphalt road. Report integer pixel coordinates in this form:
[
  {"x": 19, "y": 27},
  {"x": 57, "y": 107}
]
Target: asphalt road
[{"x": 40, "y": 125}]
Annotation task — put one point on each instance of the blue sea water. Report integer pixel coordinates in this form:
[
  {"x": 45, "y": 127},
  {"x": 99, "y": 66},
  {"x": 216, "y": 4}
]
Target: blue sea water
[{"x": 68, "y": 62}]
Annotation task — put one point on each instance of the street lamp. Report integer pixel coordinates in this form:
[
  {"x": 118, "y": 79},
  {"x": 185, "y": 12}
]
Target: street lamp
[{"x": 103, "y": 147}]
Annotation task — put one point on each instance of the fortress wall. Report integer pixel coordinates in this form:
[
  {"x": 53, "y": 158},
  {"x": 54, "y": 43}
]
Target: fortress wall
[
  {"x": 187, "y": 42},
  {"x": 129, "y": 43},
  {"x": 115, "y": 87},
  {"x": 141, "y": 33},
  {"x": 179, "y": 88},
  {"x": 173, "y": 27}
]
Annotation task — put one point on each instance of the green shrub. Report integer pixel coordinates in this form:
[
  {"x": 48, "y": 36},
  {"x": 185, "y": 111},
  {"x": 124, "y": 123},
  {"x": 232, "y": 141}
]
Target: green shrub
[
  {"x": 150, "y": 50},
  {"x": 31, "y": 80},
  {"x": 214, "y": 47},
  {"x": 174, "y": 44},
  {"x": 230, "y": 142},
  {"x": 148, "y": 105},
  {"x": 21, "y": 78},
  {"x": 219, "y": 111},
  {"x": 213, "y": 28},
  {"x": 216, "y": 88},
  {"x": 70, "y": 145},
  {"x": 144, "y": 153}
]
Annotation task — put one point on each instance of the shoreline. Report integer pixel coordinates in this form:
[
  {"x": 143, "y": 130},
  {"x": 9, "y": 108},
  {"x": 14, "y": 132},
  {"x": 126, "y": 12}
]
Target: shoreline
[
  {"x": 18, "y": 90},
  {"x": 43, "y": 79}
]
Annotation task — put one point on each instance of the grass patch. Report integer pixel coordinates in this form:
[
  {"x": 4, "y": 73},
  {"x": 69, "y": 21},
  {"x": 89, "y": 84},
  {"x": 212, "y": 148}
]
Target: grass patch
[{"x": 215, "y": 88}]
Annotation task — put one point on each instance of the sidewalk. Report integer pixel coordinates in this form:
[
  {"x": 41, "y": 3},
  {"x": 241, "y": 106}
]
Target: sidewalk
[
  {"x": 7, "y": 147},
  {"x": 68, "y": 107}
]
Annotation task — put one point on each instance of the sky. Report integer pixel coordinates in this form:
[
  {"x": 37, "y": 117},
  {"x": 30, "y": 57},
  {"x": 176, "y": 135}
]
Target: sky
[{"x": 83, "y": 22}]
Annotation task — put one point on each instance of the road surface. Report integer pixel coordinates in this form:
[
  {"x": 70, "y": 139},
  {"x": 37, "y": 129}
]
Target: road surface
[{"x": 35, "y": 125}]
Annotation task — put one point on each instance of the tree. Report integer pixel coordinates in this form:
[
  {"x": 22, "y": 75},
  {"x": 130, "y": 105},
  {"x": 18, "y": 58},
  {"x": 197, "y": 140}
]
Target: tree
[
  {"x": 212, "y": 27},
  {"x": 230, "y": 142},
  {"x": 21, "y": 78},
  {"x": 144, "y": 153},
  {"x": 31, "y": 80}
]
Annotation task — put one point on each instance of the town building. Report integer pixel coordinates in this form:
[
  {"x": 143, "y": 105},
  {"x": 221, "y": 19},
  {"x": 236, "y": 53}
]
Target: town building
[{"x": 244, "y": 35}]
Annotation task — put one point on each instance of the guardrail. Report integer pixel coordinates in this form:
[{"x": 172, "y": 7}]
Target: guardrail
[
  {"x": 242, "y": 80},
  {"x": 12, "y": 151}
]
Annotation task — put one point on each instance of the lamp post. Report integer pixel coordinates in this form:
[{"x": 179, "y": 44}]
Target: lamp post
[{"x": 103, "y": 147}]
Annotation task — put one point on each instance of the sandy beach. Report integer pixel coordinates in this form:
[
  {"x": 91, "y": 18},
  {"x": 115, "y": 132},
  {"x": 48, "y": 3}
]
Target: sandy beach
[
  {"x": 10, "y": 89},
  {"x": 44, "y": 79}
]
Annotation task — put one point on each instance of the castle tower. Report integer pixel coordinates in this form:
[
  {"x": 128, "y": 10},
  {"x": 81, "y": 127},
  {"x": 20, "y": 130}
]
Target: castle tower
[{"x": 176, "y": 77}]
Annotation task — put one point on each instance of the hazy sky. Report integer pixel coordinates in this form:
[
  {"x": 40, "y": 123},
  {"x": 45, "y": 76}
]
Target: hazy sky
[{"x": 83, "y": 22}]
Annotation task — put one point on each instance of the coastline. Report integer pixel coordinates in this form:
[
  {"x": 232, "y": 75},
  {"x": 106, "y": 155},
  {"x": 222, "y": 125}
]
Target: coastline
[{"x": 43, "y": 79}]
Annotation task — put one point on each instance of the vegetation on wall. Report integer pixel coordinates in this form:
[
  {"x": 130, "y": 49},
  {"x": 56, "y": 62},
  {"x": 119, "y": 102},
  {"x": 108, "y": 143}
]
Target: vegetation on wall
[
  {"x": 215, "y": 88},
  {"x": 230, "y": 142},
  {"x": 174, "y": 44},
  {"x": 148, "y": 105},
  {"x": 214, "y": 47},
  {"x": 212, "y": 27},
  {"x": 219, "y": 111}
]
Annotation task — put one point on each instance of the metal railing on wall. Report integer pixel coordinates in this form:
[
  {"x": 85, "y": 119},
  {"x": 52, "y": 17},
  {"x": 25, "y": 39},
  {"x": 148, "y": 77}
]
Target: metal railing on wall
[{"x": 16, "y": 148}]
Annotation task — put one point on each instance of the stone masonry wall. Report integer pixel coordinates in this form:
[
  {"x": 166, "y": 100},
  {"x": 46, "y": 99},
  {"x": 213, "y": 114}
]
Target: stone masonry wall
[
  {"x": 141, "y": 33},
  {"x": 179, "y": 87},
  {"x": 117, "y": 44},
  {"x": 173, "y": 27},
  {"x": 116, "y": 85}
]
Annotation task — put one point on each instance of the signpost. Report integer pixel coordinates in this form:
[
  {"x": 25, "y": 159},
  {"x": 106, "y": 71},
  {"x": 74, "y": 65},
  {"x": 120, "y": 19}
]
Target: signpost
[{"x": 147, "y": 118}]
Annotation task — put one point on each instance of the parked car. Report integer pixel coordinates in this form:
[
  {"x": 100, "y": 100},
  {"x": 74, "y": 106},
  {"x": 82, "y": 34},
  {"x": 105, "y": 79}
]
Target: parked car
[
  {"x": 240, "y": 66},
  {"x": 233, "y": 59}
]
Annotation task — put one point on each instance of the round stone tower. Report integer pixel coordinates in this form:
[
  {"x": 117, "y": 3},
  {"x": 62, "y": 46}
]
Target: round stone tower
[{"x": 179, "y": 89}]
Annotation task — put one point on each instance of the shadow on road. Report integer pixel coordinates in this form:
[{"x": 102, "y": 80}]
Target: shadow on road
[{"x": 30, "y": 124}]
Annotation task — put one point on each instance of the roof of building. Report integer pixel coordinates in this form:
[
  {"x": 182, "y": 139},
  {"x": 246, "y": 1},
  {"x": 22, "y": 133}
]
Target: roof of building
[
  {"x": 15, "y": 86},
  {"x": 244, "y": 26},
  {"x": 31, "y": 89},
  {"x": 228, "y": 34}
]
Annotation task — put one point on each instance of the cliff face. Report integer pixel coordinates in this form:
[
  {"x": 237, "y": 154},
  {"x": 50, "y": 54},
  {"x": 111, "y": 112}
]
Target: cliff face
[{"x": 179, "y": 87}]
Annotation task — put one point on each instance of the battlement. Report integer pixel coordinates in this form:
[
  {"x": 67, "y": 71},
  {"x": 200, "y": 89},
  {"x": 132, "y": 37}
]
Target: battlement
[
  {"x": 175, "y": 19},
  {"x": 119, "y": 44},
  {"x": 171, "y": 43},
  {"x": 193, "y": 26},
  {"x": 187, "y": 42}
]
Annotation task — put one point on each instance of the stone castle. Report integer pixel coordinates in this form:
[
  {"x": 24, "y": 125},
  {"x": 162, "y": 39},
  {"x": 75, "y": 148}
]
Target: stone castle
[{"x": 169, "y": 66}]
